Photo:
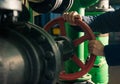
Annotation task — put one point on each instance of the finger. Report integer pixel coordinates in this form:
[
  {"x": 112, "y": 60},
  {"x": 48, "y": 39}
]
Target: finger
[
  {"x": 72, "y": 16},
  {"x": 78, "y": 17},
  {"x": 91, "y": 43},
  {"x": 90, "y": 50},
  {"x": 65, "y": 15}
]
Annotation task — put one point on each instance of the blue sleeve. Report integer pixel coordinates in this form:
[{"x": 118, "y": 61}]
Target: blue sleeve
[
  {"x": 112, "y": 54},
  {"x": 107, "y": 22}
]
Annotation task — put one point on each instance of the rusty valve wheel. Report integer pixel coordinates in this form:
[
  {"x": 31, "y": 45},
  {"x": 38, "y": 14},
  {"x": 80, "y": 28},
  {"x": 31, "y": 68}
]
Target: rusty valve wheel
[{"x": 85, "y": 67}]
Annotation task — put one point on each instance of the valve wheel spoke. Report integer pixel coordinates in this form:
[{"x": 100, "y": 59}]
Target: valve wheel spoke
[
  {"x": 78, "y": 62},
  {"x": 78, "y": 41}
]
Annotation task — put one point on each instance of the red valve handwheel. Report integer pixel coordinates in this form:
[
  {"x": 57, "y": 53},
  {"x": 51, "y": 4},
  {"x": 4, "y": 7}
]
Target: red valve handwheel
[{"x": 85, "y": 67}]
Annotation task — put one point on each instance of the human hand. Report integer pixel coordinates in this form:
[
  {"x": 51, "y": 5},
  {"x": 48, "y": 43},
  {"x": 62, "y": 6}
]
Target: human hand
[
  {"x": 96, "y": 47},
  {"x": 71, "y": 16}
]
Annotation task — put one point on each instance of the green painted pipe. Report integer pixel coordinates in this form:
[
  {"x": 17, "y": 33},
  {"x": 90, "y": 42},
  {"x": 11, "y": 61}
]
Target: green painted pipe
[
  {"x": 100, "y": 70},
  {"x": 71, "y": 67},
  {"x": 31, "y": 15}
]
